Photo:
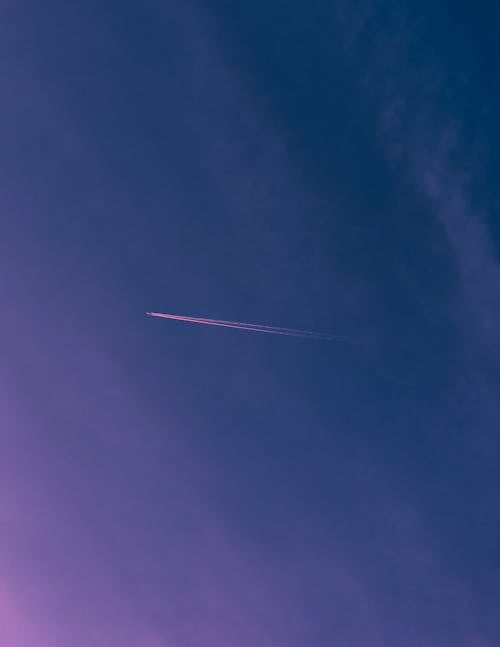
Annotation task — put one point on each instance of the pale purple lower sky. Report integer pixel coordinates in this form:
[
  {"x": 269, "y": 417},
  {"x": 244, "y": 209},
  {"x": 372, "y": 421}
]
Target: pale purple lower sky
[{"x": 112, "y": 535}]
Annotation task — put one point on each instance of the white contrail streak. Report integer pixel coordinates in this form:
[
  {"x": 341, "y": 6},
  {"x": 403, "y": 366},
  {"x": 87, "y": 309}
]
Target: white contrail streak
[{"x": 238, "y": 325}]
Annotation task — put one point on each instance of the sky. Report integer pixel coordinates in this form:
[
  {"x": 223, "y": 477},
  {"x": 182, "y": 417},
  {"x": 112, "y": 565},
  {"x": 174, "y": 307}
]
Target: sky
[{"x": 327, "y": 166}]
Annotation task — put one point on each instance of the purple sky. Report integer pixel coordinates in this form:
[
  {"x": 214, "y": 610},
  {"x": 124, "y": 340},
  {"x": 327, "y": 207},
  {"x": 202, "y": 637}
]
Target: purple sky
[{"x": 318, "y": 167}]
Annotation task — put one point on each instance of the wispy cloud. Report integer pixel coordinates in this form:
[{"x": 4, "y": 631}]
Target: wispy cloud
[{"x": 422, "y": 133}]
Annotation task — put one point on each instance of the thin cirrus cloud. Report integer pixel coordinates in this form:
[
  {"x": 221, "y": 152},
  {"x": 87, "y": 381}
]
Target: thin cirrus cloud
[{"x": 422, "y": 134}]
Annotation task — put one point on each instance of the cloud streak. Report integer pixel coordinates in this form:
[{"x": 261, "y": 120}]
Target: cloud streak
[
  {"x": 238, "y": 325},
  {"x": 421, "y": 99}
]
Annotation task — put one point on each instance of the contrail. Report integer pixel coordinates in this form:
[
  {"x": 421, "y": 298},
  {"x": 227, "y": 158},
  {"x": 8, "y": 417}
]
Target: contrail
[{"x": 239, "y": 325}]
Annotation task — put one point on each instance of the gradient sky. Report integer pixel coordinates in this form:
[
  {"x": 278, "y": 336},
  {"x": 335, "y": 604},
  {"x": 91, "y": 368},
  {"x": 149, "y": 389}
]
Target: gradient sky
[{"x": 321, "y": 165}]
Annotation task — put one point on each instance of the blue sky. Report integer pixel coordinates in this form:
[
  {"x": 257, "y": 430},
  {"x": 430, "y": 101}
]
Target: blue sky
[{"x": 320, "y": 166}]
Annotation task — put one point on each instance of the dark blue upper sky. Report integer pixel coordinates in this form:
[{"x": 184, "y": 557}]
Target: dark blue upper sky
[{"x": 314, "y": 165}]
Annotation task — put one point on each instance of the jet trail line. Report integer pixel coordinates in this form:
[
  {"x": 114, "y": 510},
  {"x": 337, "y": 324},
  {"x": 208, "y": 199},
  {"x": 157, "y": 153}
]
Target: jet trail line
[{"x": 251, "y": 327}]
